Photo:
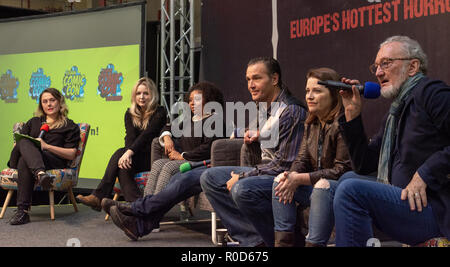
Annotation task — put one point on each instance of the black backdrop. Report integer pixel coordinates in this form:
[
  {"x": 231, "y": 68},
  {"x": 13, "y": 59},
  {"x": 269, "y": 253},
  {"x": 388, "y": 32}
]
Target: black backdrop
[{"x": 235, "y": 31}]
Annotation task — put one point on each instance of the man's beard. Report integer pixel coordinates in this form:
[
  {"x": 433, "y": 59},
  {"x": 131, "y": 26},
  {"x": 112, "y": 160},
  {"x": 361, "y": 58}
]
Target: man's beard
[{"x": 392, "y": 91}]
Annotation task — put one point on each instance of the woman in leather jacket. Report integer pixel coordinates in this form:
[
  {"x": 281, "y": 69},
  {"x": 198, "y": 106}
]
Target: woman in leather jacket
[{"x": 323, "y": 158}]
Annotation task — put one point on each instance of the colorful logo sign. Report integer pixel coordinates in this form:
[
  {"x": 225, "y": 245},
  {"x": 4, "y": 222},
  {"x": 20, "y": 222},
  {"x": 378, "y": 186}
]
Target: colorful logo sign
[
  {"x": 8, "y": 87},
  {"x": 38, "y": 83},
  {"x": 109, "y": 82},
  {"x": 73, "y": 84}
]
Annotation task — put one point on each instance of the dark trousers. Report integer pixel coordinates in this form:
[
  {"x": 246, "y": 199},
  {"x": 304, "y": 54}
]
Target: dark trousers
[
  {"x": 128, "y": 186},
  {"x": 29, "y": 160}
]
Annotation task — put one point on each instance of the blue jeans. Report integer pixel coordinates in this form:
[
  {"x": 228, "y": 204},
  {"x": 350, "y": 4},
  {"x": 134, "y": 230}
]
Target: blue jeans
[
  {"x": 246, "y": 211},
  {"x": 359, "y": 203},
  {"x": 150, "y": 210},
  {"x": 321, "y": 215},
  {"x": 285, "y": 215}
]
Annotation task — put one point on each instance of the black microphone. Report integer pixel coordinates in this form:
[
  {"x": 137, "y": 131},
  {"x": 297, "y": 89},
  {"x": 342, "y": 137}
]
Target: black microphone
[
  {"x": 187, "y": 166},
  {"x": 44, "y": 129},
  {"x": 369, "y": 89}
]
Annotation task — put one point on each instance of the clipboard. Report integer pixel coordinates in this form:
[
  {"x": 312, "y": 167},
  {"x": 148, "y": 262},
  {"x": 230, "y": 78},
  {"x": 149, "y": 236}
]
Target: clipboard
[{"x": 18, "y": 136}]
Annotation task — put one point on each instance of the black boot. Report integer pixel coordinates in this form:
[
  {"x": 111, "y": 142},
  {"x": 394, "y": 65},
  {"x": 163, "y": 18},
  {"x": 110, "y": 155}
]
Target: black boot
[
  {"x": 20, "y": 217},
  {"x": 45, "y": 181}
]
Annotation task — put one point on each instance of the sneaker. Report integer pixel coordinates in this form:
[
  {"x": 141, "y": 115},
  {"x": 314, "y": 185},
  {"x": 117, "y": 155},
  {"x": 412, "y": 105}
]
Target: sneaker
[{"x": 20, "y": 217}]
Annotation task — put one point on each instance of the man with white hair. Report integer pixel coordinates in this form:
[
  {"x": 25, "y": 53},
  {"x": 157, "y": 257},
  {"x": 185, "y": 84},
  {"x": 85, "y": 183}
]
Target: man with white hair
[{"x": 410, "y": 201}]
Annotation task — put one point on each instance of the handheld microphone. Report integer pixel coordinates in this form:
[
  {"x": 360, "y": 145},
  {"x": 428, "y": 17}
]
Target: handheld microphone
[
  {"x": 44, "y": 129},
  {"x": 369, "y": 89},
  {"x": 187, "y": 166}
]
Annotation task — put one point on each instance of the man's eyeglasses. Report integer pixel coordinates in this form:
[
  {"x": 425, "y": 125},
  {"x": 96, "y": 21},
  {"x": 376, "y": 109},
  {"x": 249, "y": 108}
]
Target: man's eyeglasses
[{"x": 385, "y": 64}]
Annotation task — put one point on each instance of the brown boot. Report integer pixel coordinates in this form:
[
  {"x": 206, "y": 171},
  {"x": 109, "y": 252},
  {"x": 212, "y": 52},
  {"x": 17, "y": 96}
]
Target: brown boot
[
  {"x": 126, "y": 223},
  {"x": 124, "y": 208},
  {"x": 311, "y": 245},
  {"x": 91, "y": 201},
  {"x": 284, "y": 239}
]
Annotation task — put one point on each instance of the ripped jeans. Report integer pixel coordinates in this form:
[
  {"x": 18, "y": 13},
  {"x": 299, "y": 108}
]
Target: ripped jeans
[{"x": 321, "y": 214}]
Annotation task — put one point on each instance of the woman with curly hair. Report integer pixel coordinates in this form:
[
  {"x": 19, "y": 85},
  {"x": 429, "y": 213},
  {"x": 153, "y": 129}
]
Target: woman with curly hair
[{"x": 185, "y": 148}]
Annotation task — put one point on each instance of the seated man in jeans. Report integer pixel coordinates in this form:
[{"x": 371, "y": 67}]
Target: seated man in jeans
[
  {"x": 249, "y": 185},
  {"x": 142, "y": 216},
  {"x": 410, "y": 202}
]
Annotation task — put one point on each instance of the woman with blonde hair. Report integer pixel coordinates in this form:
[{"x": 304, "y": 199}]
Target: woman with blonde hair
[
  {"x": 58, "y": 146},
  {"x": 144, "y": 120}
]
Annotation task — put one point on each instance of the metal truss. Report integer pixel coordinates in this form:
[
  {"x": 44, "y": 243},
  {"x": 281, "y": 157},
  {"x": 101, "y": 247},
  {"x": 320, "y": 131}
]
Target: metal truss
[{"x": 177, "y": 50}]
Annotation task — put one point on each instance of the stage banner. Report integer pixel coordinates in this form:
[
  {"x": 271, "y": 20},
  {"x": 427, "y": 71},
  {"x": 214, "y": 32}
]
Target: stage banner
[
  {"x": 232, "y": 33},
  {"x": 96, "y": 83},
  {"x": 343, "y": 35}
]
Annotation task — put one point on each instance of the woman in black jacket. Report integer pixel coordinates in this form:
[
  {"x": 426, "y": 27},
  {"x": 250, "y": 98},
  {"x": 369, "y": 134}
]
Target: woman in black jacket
[
  {"x": 187, "y": 147},
  {"x": 143, "y": 122},
  {"x": 58, "y": 146}
]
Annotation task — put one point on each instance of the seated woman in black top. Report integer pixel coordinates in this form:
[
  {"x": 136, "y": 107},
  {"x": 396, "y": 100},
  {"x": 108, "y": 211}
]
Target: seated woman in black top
[
  {"x": 143, "y": 122},
  {"x": 58, "y": 148},
  {"x": 185, "y": 148}
]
